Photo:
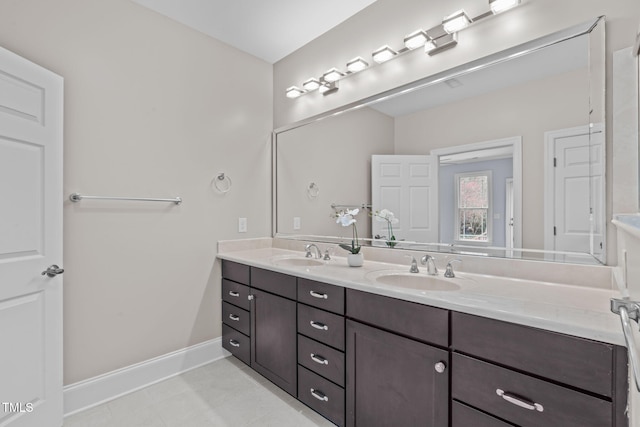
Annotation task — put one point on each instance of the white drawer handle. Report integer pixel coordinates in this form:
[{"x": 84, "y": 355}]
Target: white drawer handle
[
  {"x": 319, "y": 325},
  {"x": 234, "y": 294},
  {"x": 319, "y": 395},
  {"x": 234, "y": 317},
  {"x": 234, "y": 343},
  {"x": 319, "y": 359},
  {"x": 318, "y": 295},
  {"x": 519, "y": 401}
]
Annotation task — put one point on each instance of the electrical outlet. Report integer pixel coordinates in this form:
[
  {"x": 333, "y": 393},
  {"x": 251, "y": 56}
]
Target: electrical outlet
[
  {"x": 296, "y": 223},
  {"x": 242, "y": 225}
]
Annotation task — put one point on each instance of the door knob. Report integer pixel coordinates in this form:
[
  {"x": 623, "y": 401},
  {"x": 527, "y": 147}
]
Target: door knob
[{"x": 53, "y": 271}]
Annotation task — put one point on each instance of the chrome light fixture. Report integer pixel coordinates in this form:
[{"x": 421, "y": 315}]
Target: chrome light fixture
[
  {"x": 332, "y": 75},
  {"x": 311, "y": 84},
  {"x": 416, "y": 39},
  {"x": 498, "y": 6},
  {"x": 383, "y": 54},
  {"x": 456, "y": 22},
  {"x": 435, "y": 40},
  {"x": 294, "y": 92},
  {"x": 357, "y": 64}
]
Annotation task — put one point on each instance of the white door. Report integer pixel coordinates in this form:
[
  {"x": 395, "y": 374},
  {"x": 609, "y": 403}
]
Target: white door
[
  {"x": 30, "y": 241},
  {"x": 574, "y": 220},
  {"x": 407, "y": 186}
]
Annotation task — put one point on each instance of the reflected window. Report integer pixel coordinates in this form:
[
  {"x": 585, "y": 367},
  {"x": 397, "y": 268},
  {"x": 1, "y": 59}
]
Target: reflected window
[{"x": 473, "y": 195}]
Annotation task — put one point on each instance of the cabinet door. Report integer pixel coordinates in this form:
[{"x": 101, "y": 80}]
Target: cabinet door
[
  {"x": 392, "y": 380},
  {"x": 273, "y": 339}
]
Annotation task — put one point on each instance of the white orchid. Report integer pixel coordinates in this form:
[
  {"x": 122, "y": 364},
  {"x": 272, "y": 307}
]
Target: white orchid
[
  {"x": 390, "y": 218},
  {"x": 386, "y": 215},
  {"x": 346, "y": 219}
]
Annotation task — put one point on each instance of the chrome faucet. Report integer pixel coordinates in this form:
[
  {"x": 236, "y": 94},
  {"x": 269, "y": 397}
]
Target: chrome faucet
[
  {"x": 312, "y": 246},
  {"x": 430, "y": 262},
  {"x": 449, "y": 271},
  {"x": 414, "y": 265}
]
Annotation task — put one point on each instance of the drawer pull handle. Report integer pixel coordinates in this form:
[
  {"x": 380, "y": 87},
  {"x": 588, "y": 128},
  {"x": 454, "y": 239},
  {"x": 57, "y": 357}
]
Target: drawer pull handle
[
  {"x": 319, "y": 325},
  {"x": 319, "y": 395},
  {"x": 234, "y": 317},
  {"x": 319, "y": 359},
  {"x": 234, "y": 343},
  {"x": 234, "y": 294},
  {"x": 519, "y": 401},
  {"x": 318, "y": 295}
]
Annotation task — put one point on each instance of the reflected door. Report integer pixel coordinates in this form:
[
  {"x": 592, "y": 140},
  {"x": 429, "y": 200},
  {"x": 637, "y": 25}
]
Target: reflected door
[
  {"x": 407, "y": 186},
  {"x": 30, "y": 241}
]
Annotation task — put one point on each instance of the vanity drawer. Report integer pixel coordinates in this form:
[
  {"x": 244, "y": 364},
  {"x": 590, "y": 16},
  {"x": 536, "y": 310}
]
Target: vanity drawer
[
  {"x": 465, "y": 416},
  {"x": 237, "y": 318},
  {"x": 421, "y": 322},
  {"x": 236, "y": 294},
  {"x": 570, "y": 360},
  {"x": 321, "y": 359},
  {"x": 322, "y": 295},
  {"x": 237, "y": 272},
  {"x": 478, "y": 384},
  {"x": 274, "y": 282},
  {"x": 321, "y": 395},
  {"x": 321, "y": 325},
  {"x": 238, "y": 344}
]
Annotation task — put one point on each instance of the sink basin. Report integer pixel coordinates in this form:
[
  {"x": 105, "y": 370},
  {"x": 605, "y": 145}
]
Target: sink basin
[
  {"x": 418, "y": 281},
  {"x": 296, "y": 262}
]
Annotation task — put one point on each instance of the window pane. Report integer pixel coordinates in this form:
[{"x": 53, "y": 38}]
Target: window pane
[
  {"x": 473, "y": 224},
  {"x": 474, "y": 192}
]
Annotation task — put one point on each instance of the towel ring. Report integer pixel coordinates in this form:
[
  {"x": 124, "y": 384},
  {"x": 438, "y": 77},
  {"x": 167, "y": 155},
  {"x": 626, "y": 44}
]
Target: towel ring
[
  {"x": 313, "y": 190},
  {"x": 222, "y": 183}
]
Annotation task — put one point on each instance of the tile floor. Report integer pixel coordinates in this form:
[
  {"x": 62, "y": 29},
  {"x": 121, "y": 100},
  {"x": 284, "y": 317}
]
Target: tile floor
[{"x": 223, "y": 393}]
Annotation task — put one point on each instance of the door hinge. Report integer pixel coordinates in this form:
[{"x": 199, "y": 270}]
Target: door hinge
[
  {"x": 554, "y": 230},
  {"x": 555, "y": 162}
]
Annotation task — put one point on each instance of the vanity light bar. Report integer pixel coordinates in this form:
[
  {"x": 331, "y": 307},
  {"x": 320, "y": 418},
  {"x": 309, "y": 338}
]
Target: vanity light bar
[{"x": 435, "y": 40}]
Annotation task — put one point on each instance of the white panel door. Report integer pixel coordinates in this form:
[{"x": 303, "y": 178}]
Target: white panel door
[
  {"x": 30, "y": 241},
  {"x": 579, "y": 174},
  {"x": 407, "y": 186}
]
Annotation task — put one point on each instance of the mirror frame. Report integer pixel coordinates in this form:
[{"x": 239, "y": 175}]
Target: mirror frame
[{"x": 487, "y": 61}]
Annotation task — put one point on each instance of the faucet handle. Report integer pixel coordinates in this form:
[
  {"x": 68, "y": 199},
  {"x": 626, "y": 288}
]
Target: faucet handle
[
  {"x": 414, "y": 264},
  {"x": 449, "y": 271},
  {"x": 326, "y": 256}
]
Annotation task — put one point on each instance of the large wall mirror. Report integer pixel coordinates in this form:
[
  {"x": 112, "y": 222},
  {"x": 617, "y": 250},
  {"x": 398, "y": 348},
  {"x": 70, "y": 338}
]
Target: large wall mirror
[{"x": 503, "y": 156}]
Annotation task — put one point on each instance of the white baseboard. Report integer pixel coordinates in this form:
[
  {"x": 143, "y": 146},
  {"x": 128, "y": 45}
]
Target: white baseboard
[{"x": 94, "y": 391}]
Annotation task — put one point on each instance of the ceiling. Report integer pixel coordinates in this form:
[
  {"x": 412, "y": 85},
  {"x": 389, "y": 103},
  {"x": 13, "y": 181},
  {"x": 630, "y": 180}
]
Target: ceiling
[{"x": 268, "y": 29}]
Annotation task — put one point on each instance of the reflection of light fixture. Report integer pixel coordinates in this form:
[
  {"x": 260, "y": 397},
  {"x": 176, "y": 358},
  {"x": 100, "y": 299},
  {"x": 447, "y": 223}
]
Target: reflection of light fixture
[
  {"x": 435, "y": 40},
  {"x": 357, "y": 64},
  {"x": 498, "y": 6},
  {"x": 415, "y": 39},
  {"x": 383, "y": 54},
  {"x": 311, "y": 84},
  {"x": 456, "y": 22},
  {"x": 294, "y": 92},
  {"x": 332, "y": 75}
]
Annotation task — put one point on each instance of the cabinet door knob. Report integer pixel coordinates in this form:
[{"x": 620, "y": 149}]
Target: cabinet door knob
[
  {"x": 440, "y": 367},
  {"x": 250, "y": 297}
]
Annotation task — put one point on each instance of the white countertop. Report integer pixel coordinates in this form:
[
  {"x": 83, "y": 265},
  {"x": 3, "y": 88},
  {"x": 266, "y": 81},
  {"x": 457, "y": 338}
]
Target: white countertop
[{"x": 573, "y": 310}]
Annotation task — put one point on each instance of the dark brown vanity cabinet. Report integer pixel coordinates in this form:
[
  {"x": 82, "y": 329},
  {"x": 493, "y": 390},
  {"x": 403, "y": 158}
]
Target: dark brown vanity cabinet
[
  {"x": 273, "y": 327},
  {"x": 503, "y": 372},
  {"x": 236, "y": 316},
  {"x": 397, "y": 362}
]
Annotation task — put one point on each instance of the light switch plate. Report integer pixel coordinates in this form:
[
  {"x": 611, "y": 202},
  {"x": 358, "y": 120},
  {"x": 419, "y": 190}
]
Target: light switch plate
[{"x": 296, "y": 223}]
